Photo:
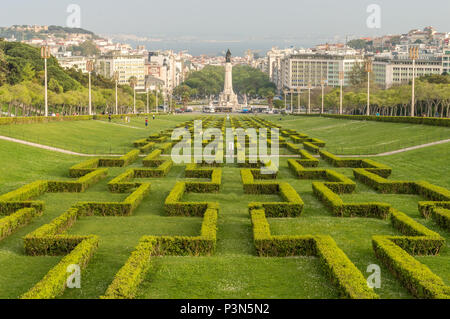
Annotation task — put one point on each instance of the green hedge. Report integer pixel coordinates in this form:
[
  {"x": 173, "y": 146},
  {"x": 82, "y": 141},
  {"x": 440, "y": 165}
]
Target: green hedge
[
  {"x": 7, "y": 208},
  {"x": 79, "y": 185},
  {"x": 396, "y": 119},
  {"x": 425, "y": 189},
  {"x": 42, "y": 119},
  {"x": 26, "y": 192},
  {"x": 54, "y": 283},
  {"x": 311, "y": 147},
  {"x": 339, "y": 208},
  {"x": 47, "y": 239},
  {"x": 425, "y": 242},
  {"x": 84, "y": 168},
  {"x": 162, "y": 170},
  {"x": 122, "y": 161},
  {"x": 126, "y": 282},
  {"x": 147, "y": 147},
  {"x": 174, "y": 207},
  {"x": 342, "y": 272},
  {"x": 415, "y": 276},
  {"x": 20, "y": 218},
  {"x": 124, "y": 208},
  {"x": 292, "y": 207},
  {"x": 121, "y": 183},
  {"x": 370, "y": 165},
  {"x": 151, "y": 159},
  {"x": 205, "y": 187}
]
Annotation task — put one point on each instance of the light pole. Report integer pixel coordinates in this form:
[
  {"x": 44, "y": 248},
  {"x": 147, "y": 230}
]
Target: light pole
[
  {"x": 148, "y": 107},
  {"x": 133, "y": 82},
  {"x": 90, "y": 68},
  {"x": 322, "y": 83},
  {"x": 45, "y": 54},
  {"x": 369, "y": 66},
  {"x": 341, "y": 80},
  {"x": 116, "y": 78},
  {"x": 309, "y": 98},
  {"x": 413, "y": 55},
  {"x": 292, "y": 96},
  {"x": 157, "y": 106},
  {"x": 285, "y": 99}
]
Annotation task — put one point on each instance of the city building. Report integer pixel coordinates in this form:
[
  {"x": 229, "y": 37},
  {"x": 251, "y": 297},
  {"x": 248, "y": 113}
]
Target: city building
[
  {"x": 126, "y": 67},
  {"x": 398, "y": 70},
  {"x": 302, "y": 70},
  {"x": 77, "y": 62}
]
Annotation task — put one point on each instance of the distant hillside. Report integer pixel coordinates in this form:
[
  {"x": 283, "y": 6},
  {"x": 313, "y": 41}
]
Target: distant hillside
[
  {"x": 21, "y": 62},
  {"x": 22, "y": 33}
]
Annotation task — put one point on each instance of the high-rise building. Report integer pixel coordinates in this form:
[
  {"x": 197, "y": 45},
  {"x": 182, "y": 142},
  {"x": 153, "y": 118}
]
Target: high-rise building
[
  {"x": 398, "y": 70},
  {"x": 302, "y": 70},
  {"x": 126, "y": 66}
]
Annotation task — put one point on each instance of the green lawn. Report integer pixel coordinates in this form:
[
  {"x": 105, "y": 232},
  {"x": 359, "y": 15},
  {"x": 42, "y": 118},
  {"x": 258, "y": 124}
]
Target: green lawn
[
  {"x": 234, "y": 271},
  {"x": 362, "y": 137},
  {"x": 92, "y": 137}
]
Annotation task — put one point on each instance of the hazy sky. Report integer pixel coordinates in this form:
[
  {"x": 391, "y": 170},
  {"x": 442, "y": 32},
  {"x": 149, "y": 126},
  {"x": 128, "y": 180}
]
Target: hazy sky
[{"x": 253, "y": 20}]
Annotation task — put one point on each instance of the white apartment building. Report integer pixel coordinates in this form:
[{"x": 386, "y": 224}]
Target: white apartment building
[
  {"x": 77, "y": 62},
  {"x": 127, "y": 66},
  {"x": 399, "y": 70},
  {"x": 301, "y": 70}
]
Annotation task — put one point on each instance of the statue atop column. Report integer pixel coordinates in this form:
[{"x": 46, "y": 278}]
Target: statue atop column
[{"x": 228, "y": 56}]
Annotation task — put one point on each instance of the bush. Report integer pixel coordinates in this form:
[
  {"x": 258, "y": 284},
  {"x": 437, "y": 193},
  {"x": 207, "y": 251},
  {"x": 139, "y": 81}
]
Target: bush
[
  {"x": 20, "y": 218},
  {"x": 77, "y": 186},
  {"x": 151, "y": 160},
  {"x": 291, "y": 208},
  {"x": 415, "y": 276},
  {"x": 124, "y": 208},
  {"x": 395, "y": 119},
  {"x": 348, "y": 279},
  {"x": 311, "y": 147},
  {"x": 174, "y": 207},
  {"x": 54, "y": 283},
  {"x": 122, "y": 161},
  {"x": 126, "y": 282},
  {"x": 162, "y": 170},
  {"x": 369, "y": 165},
  {"x": 84, "y": 168},
  {"x": 26, "y": 192},
  {"x": 147, "y": 147}
]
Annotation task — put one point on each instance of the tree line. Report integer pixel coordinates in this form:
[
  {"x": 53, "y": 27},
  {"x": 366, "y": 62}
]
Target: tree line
[{"x": 22, "y": 86}]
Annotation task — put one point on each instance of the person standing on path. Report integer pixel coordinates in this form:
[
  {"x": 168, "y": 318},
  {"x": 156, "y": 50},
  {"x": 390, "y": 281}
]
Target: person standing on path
[{"x": 146, "y": 122}]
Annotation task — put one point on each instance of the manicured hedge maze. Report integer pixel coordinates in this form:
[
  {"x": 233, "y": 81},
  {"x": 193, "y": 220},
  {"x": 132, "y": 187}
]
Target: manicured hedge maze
[{"x": 20, "y": 207}]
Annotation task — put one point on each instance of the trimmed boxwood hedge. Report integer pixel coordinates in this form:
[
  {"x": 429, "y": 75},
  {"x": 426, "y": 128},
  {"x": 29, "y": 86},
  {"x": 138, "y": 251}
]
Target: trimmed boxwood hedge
[
  {"x": 339, "y": 208},
  {"x": 311, "y": 147},
  {"x": 79, "y": 185},
  {"x": 342, "y": 272},
  {"x": 127, "y": 280},
  {"x": 292, "y": 207},
  {"x": 415, "y": 276},
  {"x": 84, "y": 168},
  {"x": 18, "y": 219},
  {"x": 370, "y": 165},
  {"x": 124, "y": 208},
  {"x": 26, "y": 192},
  {"x": 435, "y": 121},
  {"x": 54, "y": 283},
  {"x": 122, "y": 161}
]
